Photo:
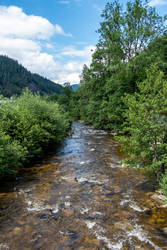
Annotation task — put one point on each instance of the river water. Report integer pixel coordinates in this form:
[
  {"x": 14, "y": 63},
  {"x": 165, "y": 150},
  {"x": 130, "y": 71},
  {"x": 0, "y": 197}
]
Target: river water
[{"x": 81, "y": 198}]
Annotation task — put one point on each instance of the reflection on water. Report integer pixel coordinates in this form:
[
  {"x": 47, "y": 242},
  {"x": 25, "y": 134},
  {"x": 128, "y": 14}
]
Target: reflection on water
[{"x": 81, "y": 198}]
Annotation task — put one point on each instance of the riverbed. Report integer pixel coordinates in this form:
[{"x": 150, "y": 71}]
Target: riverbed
[{"x": 81, "y": 197}]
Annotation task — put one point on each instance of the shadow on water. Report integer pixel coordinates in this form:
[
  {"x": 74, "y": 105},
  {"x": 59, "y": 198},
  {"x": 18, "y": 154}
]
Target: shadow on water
[{"x": 81, "y": 198}]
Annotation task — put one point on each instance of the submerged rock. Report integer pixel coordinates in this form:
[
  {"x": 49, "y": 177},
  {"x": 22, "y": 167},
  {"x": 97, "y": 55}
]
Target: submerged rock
[
  {"x": 123, "y": 226},
  {"x": 164, "y": 230},
  {"x": 17, "y": 230},
  {"x": 68, "y": 212},
  {"x": 159, "y": 199}
]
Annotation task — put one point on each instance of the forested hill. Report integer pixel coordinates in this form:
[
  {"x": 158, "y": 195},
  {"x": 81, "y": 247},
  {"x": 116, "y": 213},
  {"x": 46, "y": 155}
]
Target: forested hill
[{"x": 14, "y": 77}]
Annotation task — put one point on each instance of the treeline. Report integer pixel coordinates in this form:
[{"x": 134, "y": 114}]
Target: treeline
[
  {"x": 69, "y": 100},
  {"x": 14, "y": 78},
  {"x": 125, "y": 87},
  {"x": 29, "y": 124}
]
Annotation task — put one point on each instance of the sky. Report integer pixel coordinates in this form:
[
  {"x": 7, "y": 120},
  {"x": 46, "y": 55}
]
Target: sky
[{"x": 54, "y": 38}]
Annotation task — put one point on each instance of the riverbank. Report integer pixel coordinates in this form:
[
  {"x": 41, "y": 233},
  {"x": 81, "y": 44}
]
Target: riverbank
[{"x": 81, "y": 198}]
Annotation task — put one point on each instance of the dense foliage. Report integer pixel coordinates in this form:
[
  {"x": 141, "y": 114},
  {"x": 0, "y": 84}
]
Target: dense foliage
[
  {"x": 146, "y": 125},
  {"x": 14, "y": 78},
  {"x": 28, "y": 125},
  {"x": 68, "y": 100},
  {"x": 130, "y": 40},
  {"x": 125, "y": 87}
]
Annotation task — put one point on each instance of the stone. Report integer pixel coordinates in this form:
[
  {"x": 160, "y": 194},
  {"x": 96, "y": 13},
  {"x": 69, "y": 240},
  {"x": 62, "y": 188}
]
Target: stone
[
  {"x": 129, "y": 227},
  {"x": 123, "y": 226},
  {"x": 164, "y": 206},
  {"x": 21, "y": 222},
  {"x": 17, "y": 230},
  {"x": 150, "y": 203},
  {"x": 48, "y": 207},
  {"x": 93, "y": 241},
  {"x": 28, "y": 229},
  {"x": 57, "y": 172},
  {"x": 164, "y": 230},
  {"x": 159, "y": 198},
  {"x": 119, "y": 225},
  {"x": 97, "y": 198},
  {"x": 68, "y": 212}
]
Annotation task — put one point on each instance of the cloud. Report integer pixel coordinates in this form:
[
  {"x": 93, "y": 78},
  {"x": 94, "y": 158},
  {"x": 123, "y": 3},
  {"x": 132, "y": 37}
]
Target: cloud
[
  {"x": 60, "y": 31},
  {"x": 49, "y": 46},
  {"x": 73, "y": 52},
  {"x": 26, "y": 38},
  {"x": 157, "y": 2},
  {"x": 30, "y": 55},
  {"x": 17, "y": 45},
  {"x": 15, "y": 23},
  {"x": 71, "y": 70}
]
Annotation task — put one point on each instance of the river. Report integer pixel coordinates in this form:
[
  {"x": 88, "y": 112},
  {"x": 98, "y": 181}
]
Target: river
[{"x": 81, "y": 198}]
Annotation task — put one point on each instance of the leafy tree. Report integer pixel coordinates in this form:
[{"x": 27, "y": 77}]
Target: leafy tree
[
  {"x": 128, "y": 43},
  {"x": 124, "y": 34},
  {"x": 146, "y": 125},
  {"x": 84, "y": 77}
]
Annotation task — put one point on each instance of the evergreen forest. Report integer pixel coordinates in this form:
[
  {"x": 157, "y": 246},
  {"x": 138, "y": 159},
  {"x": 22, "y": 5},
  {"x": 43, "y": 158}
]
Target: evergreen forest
[{"x": 14, "y": 78}]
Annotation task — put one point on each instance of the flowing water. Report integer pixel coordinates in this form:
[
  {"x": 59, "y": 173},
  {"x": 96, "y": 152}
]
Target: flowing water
[{"x": 81, "y": 198}]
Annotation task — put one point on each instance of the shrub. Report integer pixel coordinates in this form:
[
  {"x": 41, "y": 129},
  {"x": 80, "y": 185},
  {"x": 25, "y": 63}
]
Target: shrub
[
  {"x": 11, "y": 155},
  {"x": 31, "y": 123},
  {"x": 146, "y": 124}
]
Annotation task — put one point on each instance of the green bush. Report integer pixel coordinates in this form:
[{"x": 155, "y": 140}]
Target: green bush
[
  {"x": 146, "y": 124},
  {"x": 29, "y": 124},
  {"x": 11, "y": 155}
]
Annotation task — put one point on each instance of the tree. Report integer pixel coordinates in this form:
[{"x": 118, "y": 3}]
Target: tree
[
  {"x": 124, "y": 34},
  {"x": 84, "y": 77},
  {"x": 128, "y": 43},
  {"x": 146, "y": 124}
]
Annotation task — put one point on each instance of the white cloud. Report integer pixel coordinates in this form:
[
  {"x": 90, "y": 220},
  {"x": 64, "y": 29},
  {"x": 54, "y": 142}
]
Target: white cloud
[
  {"x": 17, "y": 45},
  {"x": 15, "y": 23},
  {"x": 60, "y": 31},
  {"x": 49, "y": 46},
  {"x": 25, "y": 37},
  {"x": 157, "y": 2},
  {"x": 71, "y": 70},
  {"x": 73, "y": 52},
  {"x": 29, "y": 54}
]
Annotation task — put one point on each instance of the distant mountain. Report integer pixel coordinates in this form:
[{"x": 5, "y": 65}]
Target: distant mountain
[
  {"x": 14, "y": 77},
  {"x": 75, "y": 86}
]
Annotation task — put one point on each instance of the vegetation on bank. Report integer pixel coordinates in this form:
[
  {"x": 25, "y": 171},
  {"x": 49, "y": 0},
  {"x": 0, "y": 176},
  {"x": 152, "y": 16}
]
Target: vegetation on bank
[
  {"x": 29, "y": 124},
  {"x": 129, "y": 42},
  {"x": 146, "y": 126},
  {"x": 69, "y": 101},
  {"x": 125, "y": 87}
]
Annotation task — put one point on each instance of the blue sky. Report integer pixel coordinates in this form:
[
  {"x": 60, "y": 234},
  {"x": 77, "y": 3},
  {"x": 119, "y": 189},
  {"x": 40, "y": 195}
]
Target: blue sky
[{"x": 53, "y": 37}]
